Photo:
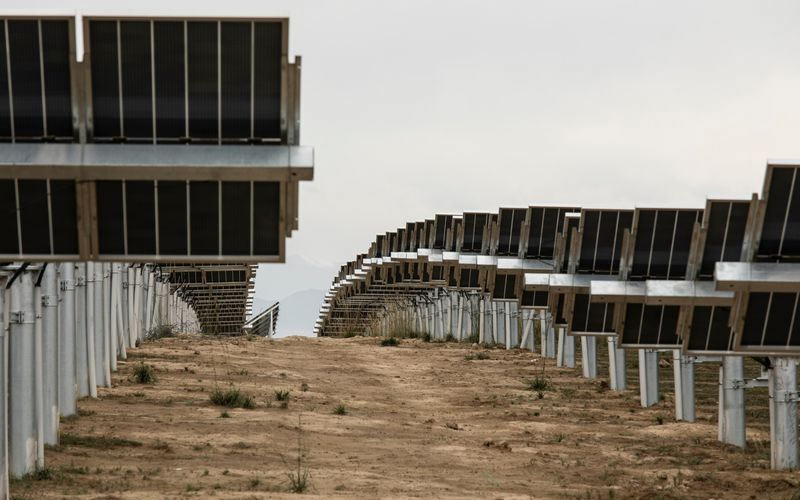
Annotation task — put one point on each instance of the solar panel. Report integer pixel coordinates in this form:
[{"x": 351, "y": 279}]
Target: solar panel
[
  {"x": 505, "y": 287},
  {"x": 159, "y": 80},
  {"x": 509, "y": 230},
  {"x": 771, "y": 322},
  {"x": 35, "y": 69},
  {"x": 601, "y": 240},
  {"x": 780, "y": 229},
  {"x": 662, "y": 239},
  {"x": 725, "y": 222},
  {"x": 544, "y": 224},
  {"x": 534, "y": 299},
  {"x": 591, "y": 317},
  {"x": 650, "y": 326},
  {"x": 441, "y": 225},
  {"x": 473, "y": 230},
  {"x": 145, "y": 220}
]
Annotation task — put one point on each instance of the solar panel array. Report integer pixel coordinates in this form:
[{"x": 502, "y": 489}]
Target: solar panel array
[
  {"x": 88, "y": 167},
  {"x": 671, "y": 253}
]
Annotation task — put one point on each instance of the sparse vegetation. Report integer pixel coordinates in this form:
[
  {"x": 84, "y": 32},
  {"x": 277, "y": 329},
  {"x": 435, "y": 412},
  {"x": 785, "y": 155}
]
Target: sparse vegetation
[
  {"x": 304, "y": 387},
  {"x": 660, "y": 419},
  {"x": 144, "y": 374},
  {"x": 160, "y": 332},
  {"x": 480, "y": 355},
  {"x": 449, "y": 338},
  {"x": 340, "y": 410},
  {"x": 540, "y": 383},
  {"x": 232, "y": 398},
  {"x": 390, "y": 342},
  {"x": 100, "y": 442},
  {"x": 299, "y": 475},
  {"x": 224, "y": 414},
  {"x": 282, "y": 395}
]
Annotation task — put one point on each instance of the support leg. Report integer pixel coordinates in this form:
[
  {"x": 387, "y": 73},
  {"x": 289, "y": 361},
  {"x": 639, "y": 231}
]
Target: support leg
[
  {"x": 683, "y": 370},
  {"x": 589, "y": 356},
  {"x": 731, "y": 401},
  {"x": 67, "y": 390},
  {"x": 569, "y": 348},
  {"x": 616, "y": 365},
  {"x": 22, "y": 376},
  {"x": 783, "y": 413},
  {"x": 648, "y": 377}
]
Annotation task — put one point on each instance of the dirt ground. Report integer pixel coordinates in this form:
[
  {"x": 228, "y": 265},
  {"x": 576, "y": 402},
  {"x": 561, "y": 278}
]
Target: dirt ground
[{"x": 421, "y": 421}]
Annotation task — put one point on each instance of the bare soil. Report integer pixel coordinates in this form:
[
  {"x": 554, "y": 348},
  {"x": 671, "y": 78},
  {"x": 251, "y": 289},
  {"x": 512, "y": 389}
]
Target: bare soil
[{"x": 421, "y": 421}]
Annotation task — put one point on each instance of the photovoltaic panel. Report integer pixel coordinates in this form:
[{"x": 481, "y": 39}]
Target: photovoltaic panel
[
  {"x": 105, "y": 79},
  {"x": 441, "y": 225},
  {"x": 57, "y": 79},
  {"x": 170, "y": 79},
  {"x": 236, "y": 78},
  {"x": 26, "y": 78},
  {"x": 709, "y": 330},
  {"x": 511, "y": 220},
  {"x": 505, "y": 287},
  {"x": 534, "y": 298},
  {"x": 725, "y": 223},
  {"x": 266, "y": 217},
  {"x": 544, "y": 224},
  {"x": 771, "y": 321},
  {"x": 474, "y": 225},
  {"x": 65, "y": 217},
  {"x": 268, "y": 45},
  {"x": 204, "y": 217},
  {"x": 110, "y": 217},
  {"x": 34, "y": 216},
  {"x": 172, "y": 224},
  {"x": 601, "y": 235},
  {"x": 780, "y": 232},
  {"x": 203, "y": 61},
  {"x": 5, "y": 107},
  {"x": 236, "y": 218},
  {"x": 140, "y": 217},
  {"x": 593, "y": 317},
  {"x": 650, "y": 325},
  {"x": 663, "y": 238},
  {"x": 137, "y": 79}
]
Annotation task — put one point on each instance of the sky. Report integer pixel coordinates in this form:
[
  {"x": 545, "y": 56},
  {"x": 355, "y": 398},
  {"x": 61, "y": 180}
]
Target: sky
[{"x": 417, "y": 107}]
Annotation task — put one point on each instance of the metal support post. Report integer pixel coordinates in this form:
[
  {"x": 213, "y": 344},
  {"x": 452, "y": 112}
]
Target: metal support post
[
  {"x": 616, "y": 365},
  {"x": 5, "y": 308},
  {"x": 569, "y": 348},
  {"x": 50, "y": 349},
  {"x": 507, "y": 317},
  {"x": 90, "y": 328},
  {"x": 783, "y": 397},
  {"x": 67, "y": 390},
  {"x": 589, "y": 356},
  {"x": 683, "y": 370},
  {"x": 22, "y": 377},
  {"x": 731, "y": 401},
  {"x": 648, "y": 377}
]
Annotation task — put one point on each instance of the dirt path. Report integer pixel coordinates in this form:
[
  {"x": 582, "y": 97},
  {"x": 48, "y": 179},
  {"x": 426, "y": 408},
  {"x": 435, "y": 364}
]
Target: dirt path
[{"x": 422, "y": 421}]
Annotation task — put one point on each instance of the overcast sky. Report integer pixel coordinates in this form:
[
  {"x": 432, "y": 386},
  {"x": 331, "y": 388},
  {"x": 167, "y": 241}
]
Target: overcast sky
[{"x": 418, "y": 107}]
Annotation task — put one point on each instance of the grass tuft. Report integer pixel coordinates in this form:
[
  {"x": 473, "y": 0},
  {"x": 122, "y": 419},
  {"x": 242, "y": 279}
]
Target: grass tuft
[
  {"x": 478, "y": 355},
  {"x": 99, "y": 442},
  {"x": 144, "y": 374},
  {"x": 160, "y": 332},
  {"x": 340, "y": 410},
  {"x": 540, "y": 383},
  {"x": 282, "y": 395},
  {"x": 232, "y": 398},
  {"x": 390, "y": 342}
]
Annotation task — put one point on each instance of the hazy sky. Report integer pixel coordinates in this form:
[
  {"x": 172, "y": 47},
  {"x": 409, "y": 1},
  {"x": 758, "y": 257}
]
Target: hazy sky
[{"x": 417, "y": 107}]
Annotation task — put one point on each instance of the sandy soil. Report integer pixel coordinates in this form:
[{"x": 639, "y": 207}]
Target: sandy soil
[{"x": 422, "y": 421}]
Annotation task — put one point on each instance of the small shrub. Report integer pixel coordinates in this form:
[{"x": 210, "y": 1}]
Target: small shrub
[
  {"x": 540, "y": 383},
  {"x": 100, "y": 442},
  {"x": 144, "y": 374},
  {"x": 232, "y": 398},
  {"x": 390, "y": 342},
  {"x": 160, "y": 332},
  {"x": 474, "y": 338},
  {"x": 478, "y": 355},
  {"x": 282, "y": 395},
  {"x": 304, "y": 387},
  {"x": 659, "y": 420},
  {"x": 224, "y": 414},
  {"x": 449, "y": 338},
  {"x": 340, "y": 410},
  {"x": 559, "y": 438},
  {"x": 425, "y": 337}
]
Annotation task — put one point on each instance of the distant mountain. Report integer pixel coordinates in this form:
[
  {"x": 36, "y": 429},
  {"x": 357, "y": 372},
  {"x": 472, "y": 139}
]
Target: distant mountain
[{"x": 298, "y": 312}]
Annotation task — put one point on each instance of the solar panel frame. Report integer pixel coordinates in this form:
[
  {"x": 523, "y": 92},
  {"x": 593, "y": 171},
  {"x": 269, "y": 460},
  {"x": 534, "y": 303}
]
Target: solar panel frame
[{"x": 276, "y": 136}]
